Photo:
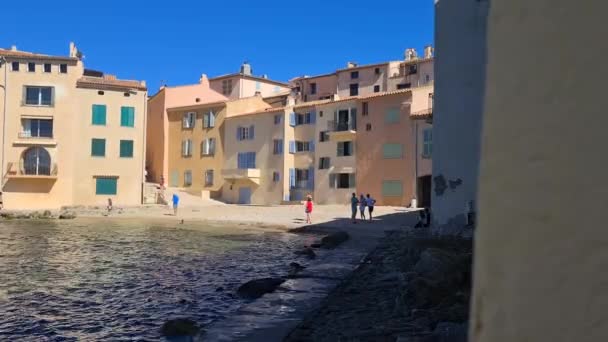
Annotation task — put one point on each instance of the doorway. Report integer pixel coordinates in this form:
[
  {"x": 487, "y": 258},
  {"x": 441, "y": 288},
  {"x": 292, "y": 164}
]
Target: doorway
[
  {"x": 244, "y": 195},
  {"x": 424, "y": 191}
]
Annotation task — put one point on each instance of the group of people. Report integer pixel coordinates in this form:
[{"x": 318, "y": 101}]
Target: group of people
[{"x": 361, "y": 203}]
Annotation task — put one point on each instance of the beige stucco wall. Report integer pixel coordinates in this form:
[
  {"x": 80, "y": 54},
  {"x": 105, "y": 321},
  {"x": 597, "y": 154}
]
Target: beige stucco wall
[
  {"x": 130, "y": 171},
  {"x": 326, "y": 86},
  {"x": 324, "y": 194},
  {"x": 41, "y": 193},
  {"x": 367, "y": 79},
  {"x": 419, "y": 79},
  {"x": 266, "y": 191},
  {"x": 540, "y": 246}
]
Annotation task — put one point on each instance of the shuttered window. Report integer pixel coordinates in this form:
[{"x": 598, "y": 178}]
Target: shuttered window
[
  {"x": 127, "y": 116},
  {"x": 98, "y": 115},
  {"x": 392, "y": 151},
  {"x": 187, "y": 148},
  {"x": 392, "y": 188},
  {"x": 246, "y": 160},
  {"x": 427, "y": 143},
  {"x": 187, "y": 178},
  {"x": 126, "y": 148},
  {"x": 106, "y": 185},
  {"x": 392, "y": 116},
  {"x": 98, "y": 147}
]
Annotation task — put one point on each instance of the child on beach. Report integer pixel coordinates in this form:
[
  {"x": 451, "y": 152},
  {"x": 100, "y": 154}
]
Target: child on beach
[
  {"x": 175, "y": 201},
  {"x": 362, "y": 205},
  {"x": 308, "y": 209}
]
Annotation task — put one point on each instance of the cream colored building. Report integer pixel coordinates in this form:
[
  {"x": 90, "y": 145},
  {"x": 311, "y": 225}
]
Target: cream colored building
[{"x": 71, "y": 136}]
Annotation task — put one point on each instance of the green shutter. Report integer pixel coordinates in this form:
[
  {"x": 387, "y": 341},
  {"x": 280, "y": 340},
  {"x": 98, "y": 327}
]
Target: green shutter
[
  {"x": 98, "y": 147},
  {"x": 126, "y": 148},
  {"x": 392, "y": 115},
  {"x": 392, "y": 188},
  {"x": 127, "y": 116},
  {"x": 99, "y": 115},
  {"x": 392, "y": 151},
  {"x": 106, "y": 186}
]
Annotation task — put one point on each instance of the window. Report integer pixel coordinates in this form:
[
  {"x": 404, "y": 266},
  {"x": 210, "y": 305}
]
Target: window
[
  {"x": 15, "y": 66},
  {"x": 277, "y": 146},
  {"x": 226, "y": 87},
  {"x": 209, "y": 120},
  {"x": 31, "y": 67},
  {"x": 427, "y": 78},
  {"x": 427, "y": 143},
  {"x": 392, "y": 151},
  {"x": 245, "y": 133},
  {"x": 305, "y": 119},
  {"x": 345, "y": 180},
  {"x": 98, "y": 115},
  {"x": 377, "y": 71},
  {"x": 106, "y": 185},
  {"x": 277, "y": 119},
  {"x": 63, "y": 68},
  {"x": 323, "y": 136},
  {"x": 302, "y": 179},
  {"x": 412, "y": 69},
  {"x": 187, "y": 178},
  {"x": 188, "y": 120},
  {"x": 187, "y": 148},
  {"x": 313, "y": 88},
  {"x": 302, "y": 146},
  {"x": 47, "y": 67},
  {"x": 209, "y": 178},
  {"x": 100, "y": 92},
  {"x": 39, "y": 96},
  {"x": 36, "y": 128},
  {"x": 98, "y": 147},
  {"x": 258, "y": 86},
  {"x": 392, "y": 116},
  {"x": 246, "y": 160},
  {"x": 127, "y": 116},
  {"x": 354, "y": 75},
  {"x": 126, "y": 148},
  {"x": 354, "y": 89},
  {"x": 36, "y": 161},
  {"x": 404, "y": 85},
  {"x": 276, "y": 176},
  {"x": 320, "y": 113},
  {"x": 368, "y": 127},
  {"x": 208, "y": 147},
  {"x": 323, "y": 163},
  {"x": 392, "y": 188},
  {"x": 376, "y": 89},
  {"x": 365, "y": 109},
  {"x": 345, "y": 149}
]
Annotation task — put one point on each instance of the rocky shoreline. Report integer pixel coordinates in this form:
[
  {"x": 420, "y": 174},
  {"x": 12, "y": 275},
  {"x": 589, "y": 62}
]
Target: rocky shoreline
[{"x": 413, "y": 287}]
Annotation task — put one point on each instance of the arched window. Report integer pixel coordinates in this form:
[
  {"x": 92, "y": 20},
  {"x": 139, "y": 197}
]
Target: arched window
[{"x": 36, "y": 161}]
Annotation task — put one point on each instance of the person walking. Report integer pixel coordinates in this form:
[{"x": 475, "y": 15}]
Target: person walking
[
  {"x": 308, "y": 209},
  {"x": 370, "y": 205},
  {"x": 354, "y": 201},
  {"x": 109, "y": 207},
  {"x": 175, "y": 201},
  {"x": 362, "y": 205}
]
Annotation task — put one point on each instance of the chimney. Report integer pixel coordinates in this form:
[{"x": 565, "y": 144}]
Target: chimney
[
  {"x": 351, "y": 65},
  {"x": 204, "y": 80},
  {"x": 265, "y": 76},
  {"x": 109, "y": 77},
  {"x": 410, "y": 54},
  {"x": 246, "y": 69},
  {"x": 73, "y": 49},
  {"x": 13, "y": 47},
  {"x": 142, "y": 83},
  {"x": 428, "y": 51}
]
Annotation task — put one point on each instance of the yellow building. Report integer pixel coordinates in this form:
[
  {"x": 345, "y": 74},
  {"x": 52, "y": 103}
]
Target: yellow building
[{"x": 71, "y": 136}]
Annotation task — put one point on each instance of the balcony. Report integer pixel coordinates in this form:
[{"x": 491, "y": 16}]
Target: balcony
[
  {"x": 26, "y": 138},
  {"x": 33, "y": 171},
  {"x": 252, "y": 175},
  {"x": 341, "y": 130}
]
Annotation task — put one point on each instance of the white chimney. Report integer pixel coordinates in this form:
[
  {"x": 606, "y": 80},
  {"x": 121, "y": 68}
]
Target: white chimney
[
  {"x": 351, "y": 65},
  {"x": 246, "y": 69},
  {"x": 428, "y": 51},
  {"x": 410, "y": 54},
  {"x": 14, "y": 48},
  {"x": 204, "y": 80}
]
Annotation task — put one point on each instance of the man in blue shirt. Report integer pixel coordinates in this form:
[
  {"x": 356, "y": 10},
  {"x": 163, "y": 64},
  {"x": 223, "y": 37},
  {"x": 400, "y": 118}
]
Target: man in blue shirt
[
  {"x": 354, "y": 201},
  {"x": 175, "y": 201}
]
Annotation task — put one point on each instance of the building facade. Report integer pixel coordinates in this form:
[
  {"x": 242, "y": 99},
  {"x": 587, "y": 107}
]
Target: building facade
[{"x": 71, "y": 136}]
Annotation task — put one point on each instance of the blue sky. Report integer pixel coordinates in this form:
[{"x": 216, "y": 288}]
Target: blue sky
[{"x": 175, "y": 41}]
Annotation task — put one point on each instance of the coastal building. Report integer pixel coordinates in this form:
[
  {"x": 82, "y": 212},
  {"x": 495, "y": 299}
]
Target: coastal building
[
  {"x": 70, "y": 136},
  {"x": 209, "y": 90}
]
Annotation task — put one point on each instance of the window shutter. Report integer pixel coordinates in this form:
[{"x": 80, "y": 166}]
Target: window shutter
[
  {"x": 211, "y": 119},
  {"x": 313, "y": 117},
  {"x": 204, "y": 147},
  {"x": 238, "y": 133},
  {"x": 311, "y": 146},
  {"x": 212, "y": 146},
  {"x": 353, "y": 118},
  {"x": 281, "y": 146},
  {"x": 292, "y": 147},
  {"x": 292, "y": 178},
  {"x": 292, "y": 119},
  {"x": 185, "y": 121},
  {"x": 251, "y": 134},
  {"x": 332, "y": 180},
  {"x": 311, "y": 178},
  {"x": 351, "y": 180},
  {"x": 131, "y": 117},
  {"x": 340, "y": 149}
]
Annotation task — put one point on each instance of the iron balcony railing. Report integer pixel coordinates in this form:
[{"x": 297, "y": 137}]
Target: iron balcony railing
[{"x": 340, "y": 126}]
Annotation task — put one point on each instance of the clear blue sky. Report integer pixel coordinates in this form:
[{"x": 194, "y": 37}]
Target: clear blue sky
[{"x": 177, "y": 40}]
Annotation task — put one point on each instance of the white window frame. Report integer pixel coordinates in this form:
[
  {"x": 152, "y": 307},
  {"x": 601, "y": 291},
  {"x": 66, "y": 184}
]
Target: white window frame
[
  {"x": 187, "y": 148},
  {"x": 188, "y": 120},
  {"x": 244, "y": 133},
  {"x": 209, "y": 177},
  {"x": 39, "y": 104}
]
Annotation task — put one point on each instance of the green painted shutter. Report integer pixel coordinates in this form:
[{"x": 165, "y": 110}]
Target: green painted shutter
[
  {"x": 392, "y": 151},
  {"x": 106, "y": 186},
  {"x": 126, "y": 148},
  {"x": 98, "y": 147},
  {"x": 99, "y": 115},
  {"x": 127, "y": 116},
  {"x": 392, "y": 188}
]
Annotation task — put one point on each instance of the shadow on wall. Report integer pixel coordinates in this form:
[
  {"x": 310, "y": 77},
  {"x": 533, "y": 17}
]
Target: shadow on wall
[{"x": 29, "y": 185}]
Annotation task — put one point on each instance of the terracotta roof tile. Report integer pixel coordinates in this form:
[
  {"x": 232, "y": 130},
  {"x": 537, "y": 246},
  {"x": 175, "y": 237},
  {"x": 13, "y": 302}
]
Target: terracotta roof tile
[
  {"x": 31, "y": 55},
  {"x": 97, "y": 82},
  {"x": 422, "y": 114}
]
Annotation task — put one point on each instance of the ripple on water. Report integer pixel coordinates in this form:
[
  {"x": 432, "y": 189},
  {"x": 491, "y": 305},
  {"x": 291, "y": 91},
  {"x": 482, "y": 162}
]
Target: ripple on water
[{"x": 69, "y": 281}]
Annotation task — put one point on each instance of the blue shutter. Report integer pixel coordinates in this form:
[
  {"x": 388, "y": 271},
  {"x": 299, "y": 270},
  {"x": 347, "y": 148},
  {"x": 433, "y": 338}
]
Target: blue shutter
[
  {"x": 252, "y": 165},
  {"x": 311, "y": 145},
  {"x": 313, "y": 117},
  {"x": 281, "y": 146},
  {"x": 240, "y": 161},
  {"x": 311, "y": 178},
  {"x": 131, "y": 117},
  {"x": 292, "y": 119},
  {"x": 292, "y": 146},
  {"x": 251, "y": 134},
  {"x": 238, "y": 133},
  {"x": 292, "y": 178}
]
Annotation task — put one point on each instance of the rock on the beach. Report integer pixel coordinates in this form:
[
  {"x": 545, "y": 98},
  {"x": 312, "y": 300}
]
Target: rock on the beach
[
  {"x": 334, "y": 240},
  {"x": 257, "y": 288},
  {"x": 180, "y": 327},
  {"x": 67, "y": 215},
  {"x": 307, "y": 251}
]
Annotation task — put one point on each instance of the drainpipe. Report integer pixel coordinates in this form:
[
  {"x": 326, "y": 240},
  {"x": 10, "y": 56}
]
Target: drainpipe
[
  {"x": 143, "y": 166},
  {"x": 4, "y": 64}
]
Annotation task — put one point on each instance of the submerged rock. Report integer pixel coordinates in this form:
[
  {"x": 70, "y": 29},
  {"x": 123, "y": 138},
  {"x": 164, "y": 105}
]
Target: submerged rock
[
  {"x": 334, "y": 240},
  {"x": 66, "y": 215},
  {"x": 180, "y": 327},
  {"x": 257, "y": 288}
]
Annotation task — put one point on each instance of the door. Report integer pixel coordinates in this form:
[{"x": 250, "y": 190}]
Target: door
[
  {"x": 424, "y": 191},
  {"x": 245, "y": 195}
]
